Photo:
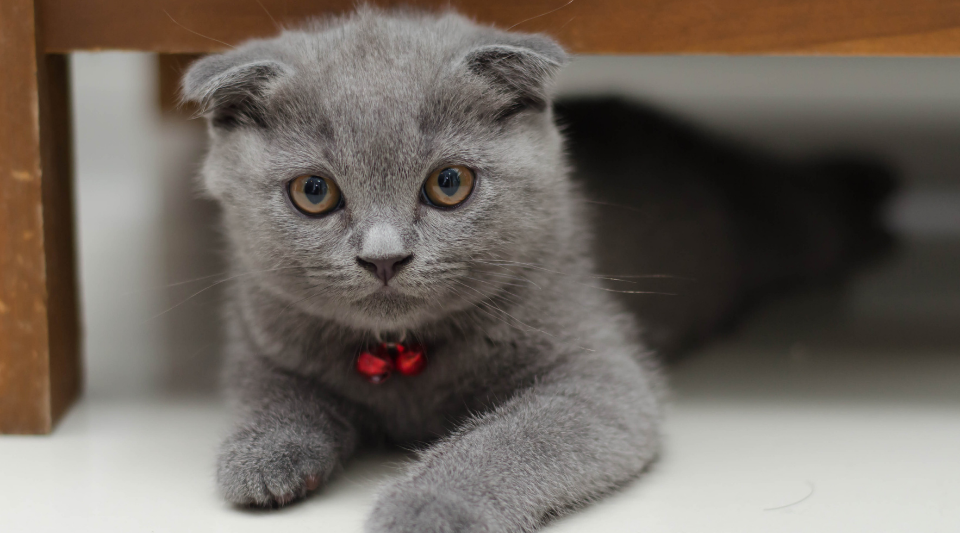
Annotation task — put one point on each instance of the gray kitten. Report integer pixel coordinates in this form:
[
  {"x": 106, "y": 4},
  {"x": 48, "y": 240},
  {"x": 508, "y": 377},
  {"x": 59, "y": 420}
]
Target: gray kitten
[
  {"x": 537, "y": 396},
  {"x": 400, "y": 177}
]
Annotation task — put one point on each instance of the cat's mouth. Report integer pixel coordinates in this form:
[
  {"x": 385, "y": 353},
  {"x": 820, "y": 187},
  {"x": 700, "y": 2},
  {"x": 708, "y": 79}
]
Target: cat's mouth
[
  {"x": 386, "y": 290},
  {"x": 387, "y": 294}
]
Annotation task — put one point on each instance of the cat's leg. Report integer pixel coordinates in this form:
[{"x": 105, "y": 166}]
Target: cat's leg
[
  {"x": 288, "y": 441},
  {"x": 585, "y": 429}
]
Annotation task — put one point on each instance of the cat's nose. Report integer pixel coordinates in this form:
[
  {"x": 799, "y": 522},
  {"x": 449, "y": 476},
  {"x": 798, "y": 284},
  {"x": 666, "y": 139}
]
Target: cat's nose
[{"x": 384, "y": 268}]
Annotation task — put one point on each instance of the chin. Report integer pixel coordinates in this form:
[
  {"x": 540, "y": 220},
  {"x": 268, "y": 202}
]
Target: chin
[{"x": 389, "y": 309}]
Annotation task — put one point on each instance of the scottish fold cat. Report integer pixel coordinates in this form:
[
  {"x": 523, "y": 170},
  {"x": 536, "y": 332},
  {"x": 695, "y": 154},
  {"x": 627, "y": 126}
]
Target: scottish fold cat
[{"x": 414, "y": 264}]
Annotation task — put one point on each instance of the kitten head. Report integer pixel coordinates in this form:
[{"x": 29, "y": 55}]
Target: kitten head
[{"x": 380, "y": 169}]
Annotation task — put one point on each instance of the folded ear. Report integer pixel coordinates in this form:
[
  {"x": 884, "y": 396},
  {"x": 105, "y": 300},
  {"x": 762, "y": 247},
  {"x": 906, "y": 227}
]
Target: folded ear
[
  {"x": 521, "y": 70},
  {"x": 232, "y": 90}
]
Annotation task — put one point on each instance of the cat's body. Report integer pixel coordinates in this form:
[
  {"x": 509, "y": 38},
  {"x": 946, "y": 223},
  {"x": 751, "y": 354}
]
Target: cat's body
[
  {"x": 539, "y": 394},
  {"x": 710, "y": 225}
]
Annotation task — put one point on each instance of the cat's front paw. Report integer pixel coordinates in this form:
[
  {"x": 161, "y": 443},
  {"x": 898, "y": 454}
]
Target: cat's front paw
[
  {"x": 272, "y": 467},
  {"x": 402, "y": 509}
]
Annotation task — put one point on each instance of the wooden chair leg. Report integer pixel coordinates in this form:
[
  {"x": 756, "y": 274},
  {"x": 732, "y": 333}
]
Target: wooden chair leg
[{"x": 39, "y": 319}]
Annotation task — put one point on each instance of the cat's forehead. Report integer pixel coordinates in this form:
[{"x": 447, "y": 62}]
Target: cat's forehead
[
  {"x": 371, "y": 71},
  {"x": 370, "y": 87},
  {"x": 377, "y": 55}
]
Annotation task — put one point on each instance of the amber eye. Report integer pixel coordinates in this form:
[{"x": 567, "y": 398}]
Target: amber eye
[
  {"x": 448, "y": 186},
  {"x": 314, "y": 195}
]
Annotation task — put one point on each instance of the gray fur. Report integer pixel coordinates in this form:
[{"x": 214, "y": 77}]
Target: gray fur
[{"x": 538, "y": 396}]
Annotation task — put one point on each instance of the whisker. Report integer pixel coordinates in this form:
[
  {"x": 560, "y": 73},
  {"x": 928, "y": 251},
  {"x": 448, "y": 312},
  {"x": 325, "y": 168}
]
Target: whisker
[
  {"x": 629, "y": 292},
  {"x": 488, "y": 303},
  {"x": 565, "y": 23},
  {"x": 606, "y": 289},
  {"x": 478, "y": 308},
  {"x": 606, "y": 277},
  {"x": 198, "y": 33},
  {"x": 508, "y": 276},
  {"x": 649, "y": 276},
  {"x": 481, "y": 309},
  {"x": 489, "y": 283},
  {"x": 504, "y": 294},
  {"x": 203, "y": 278},
  {"x": 611, "y": 204},
  {"x": 544, "y": 269},
  {"x": 541, "y": 15},
  {"x": 212, "y": 285},
  {"x": 275, "y": 23},
  {"x": 301, "y": 300},
  {"x": 537, "y": 329}
]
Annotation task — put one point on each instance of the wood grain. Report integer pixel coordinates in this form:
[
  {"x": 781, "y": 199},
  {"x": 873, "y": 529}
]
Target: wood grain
[
  {"x": 873, "y": 27},
  {"x": 39, "y": 333}
]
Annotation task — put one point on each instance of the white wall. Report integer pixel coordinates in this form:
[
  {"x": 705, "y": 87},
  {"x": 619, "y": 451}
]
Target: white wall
[
  {"x": 119, "y": 209},
  {"x": 141, "y": 229}
]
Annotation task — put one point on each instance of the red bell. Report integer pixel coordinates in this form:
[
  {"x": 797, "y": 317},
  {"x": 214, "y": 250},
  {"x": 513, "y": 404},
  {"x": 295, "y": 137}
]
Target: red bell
[
  {"x": 410, "y": 359},
  {"x": 375, "y": 368},
  {"x": 377, "y": 365}
]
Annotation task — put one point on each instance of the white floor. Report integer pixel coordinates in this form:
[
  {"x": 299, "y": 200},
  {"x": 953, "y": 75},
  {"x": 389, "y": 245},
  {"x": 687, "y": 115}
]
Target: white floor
[{"x": 758, "y": 440}]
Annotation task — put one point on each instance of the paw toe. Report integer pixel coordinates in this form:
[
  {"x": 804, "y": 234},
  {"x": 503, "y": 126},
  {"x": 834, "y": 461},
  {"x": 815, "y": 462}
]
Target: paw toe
[
  {"x": 426, "y": 513},
  {"x": 268, "y": 474}
]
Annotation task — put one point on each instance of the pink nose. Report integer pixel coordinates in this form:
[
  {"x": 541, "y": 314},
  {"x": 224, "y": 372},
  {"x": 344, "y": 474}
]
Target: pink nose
[{"x": 384, "y": 268}]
